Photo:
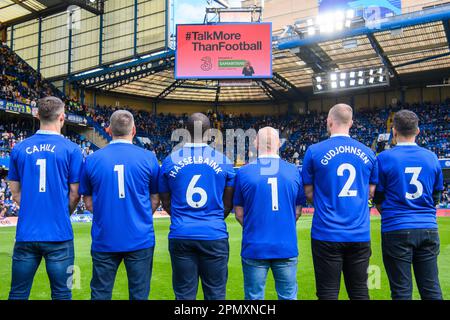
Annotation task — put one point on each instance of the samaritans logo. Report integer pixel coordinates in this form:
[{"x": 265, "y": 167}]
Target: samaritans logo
[{"x": 231, "y": 63}]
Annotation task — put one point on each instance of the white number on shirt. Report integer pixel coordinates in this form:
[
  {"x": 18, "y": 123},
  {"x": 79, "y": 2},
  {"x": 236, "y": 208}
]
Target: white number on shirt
[
  {"x": 415, "y": 182},
  {"x": 120, "y": 169},
  {"x": 346, "y": 192},
  {"x": 274, "y": 186},
  {"x": 42, "y": 163},
  {"x": 192, "y": 189}
]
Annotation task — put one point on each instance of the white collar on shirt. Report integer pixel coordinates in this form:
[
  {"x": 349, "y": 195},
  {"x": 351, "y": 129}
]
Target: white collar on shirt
[
  {"x": 272, "y": 156},
  {"x": 194, "y": 145},
  {"x": 340, "y": 135},
  {"x": 120, "y": 141},
  {"x": 48, "y": 132},
  {"x": 406, "y": 144}
]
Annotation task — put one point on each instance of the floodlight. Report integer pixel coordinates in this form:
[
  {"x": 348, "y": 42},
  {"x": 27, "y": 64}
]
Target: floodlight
[
  {"x": 343, "y": 76},
  {"x": 319, "y": 79},
  {"x": 334, "y": 84},
  {"x": 352, "y": 82},
  {"x": 350, "y": 14},
  {"x": 360, "y": 82},
  {"x": 342, "y": 84},
  {"x": 352, "y": 74},
  {"x": 371, "y": 80},
  {"x": 333, "y": 77}
]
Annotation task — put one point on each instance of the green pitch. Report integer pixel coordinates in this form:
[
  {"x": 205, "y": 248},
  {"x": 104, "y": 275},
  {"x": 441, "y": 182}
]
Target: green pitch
[{"x": 161, "y": 281}]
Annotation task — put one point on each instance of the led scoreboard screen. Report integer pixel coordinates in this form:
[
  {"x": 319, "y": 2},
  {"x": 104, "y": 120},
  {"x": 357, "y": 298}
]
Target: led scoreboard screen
[{"x": 224, "y": 51}]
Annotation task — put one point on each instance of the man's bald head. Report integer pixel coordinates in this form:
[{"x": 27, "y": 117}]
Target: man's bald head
[
  {"x": 268, "y": 141},
  {"x": 197, "y": 123},
  {"x": 340, "y": 118}
]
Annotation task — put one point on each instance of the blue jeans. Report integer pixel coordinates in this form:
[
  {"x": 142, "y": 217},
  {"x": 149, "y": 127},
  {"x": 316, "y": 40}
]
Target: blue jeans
[
  {"x": 418, "y": 248},
  {"x": 284, "y": 273},
  {"x": 204, "y": 259},
  {"x": 139, "y": 271},
  {"x": 27, "y": 256}
]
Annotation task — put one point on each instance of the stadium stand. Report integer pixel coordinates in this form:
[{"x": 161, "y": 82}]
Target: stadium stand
[{"x": 299, "y": 131}]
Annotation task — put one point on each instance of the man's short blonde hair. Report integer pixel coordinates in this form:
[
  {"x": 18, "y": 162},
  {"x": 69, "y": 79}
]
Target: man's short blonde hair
[{"x": 121, "y": 123}]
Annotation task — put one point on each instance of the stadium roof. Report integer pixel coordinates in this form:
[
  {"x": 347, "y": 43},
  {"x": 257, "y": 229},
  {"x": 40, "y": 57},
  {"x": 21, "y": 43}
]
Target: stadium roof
[
  {"x": 17, "y": 11},
  {"x": 406, "y": 45}
]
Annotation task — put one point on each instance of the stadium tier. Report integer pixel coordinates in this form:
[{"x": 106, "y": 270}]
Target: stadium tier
[{"x": 317, "y": 125}]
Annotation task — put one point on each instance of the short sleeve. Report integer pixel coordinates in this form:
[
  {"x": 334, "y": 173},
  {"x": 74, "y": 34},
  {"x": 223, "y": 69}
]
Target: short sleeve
[
  {"x": 301, "y": 197},
  {"x": 85, "y": 187},
  {"x": 13, "y": 174},
  {"x": 76, "y": 163},
  {"x": 439, "y": 182},
  {"x": 154, "y": 178},
  {"x": 163, "y": 184},
  {"x": 308, "y": 168},
  {"x": 238, "y": 199},
  {"x": 381, "y": 183},
  {"x": 374, "y": 173}
]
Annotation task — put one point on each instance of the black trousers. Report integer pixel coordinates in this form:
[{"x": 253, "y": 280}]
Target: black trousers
[
  {"x": 204, "y": 259},
  {"x": 417, "y": 248},
  {"x": 331, "y": 259}
]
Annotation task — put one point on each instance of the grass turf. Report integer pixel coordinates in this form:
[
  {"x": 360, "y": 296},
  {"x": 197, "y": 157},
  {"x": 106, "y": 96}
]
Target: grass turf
[{"x": 161, "y": 281}]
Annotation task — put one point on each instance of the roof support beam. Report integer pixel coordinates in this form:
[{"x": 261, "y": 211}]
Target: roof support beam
[
  {"x": 169, "y": 89},
  {"x": 395, "y": 22},
  {"x": 266, "y": 91},
  {"x": 437, "y": 56},
  {"x": 446, "y": 24},
  {"x": 292, "y": 90},
  {"x": 382, "y": 55},
  {"x": 24, "y": 5}
]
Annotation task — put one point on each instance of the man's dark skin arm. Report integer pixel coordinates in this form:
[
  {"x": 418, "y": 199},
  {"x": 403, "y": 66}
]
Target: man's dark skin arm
[
  {"x": 165, "y": 200},
  {"x": 309, "y": 192},
  {"x": 378, "y": 200},
  {"x": 437, "y": 197},
  {"x": 227, "y": 201}
]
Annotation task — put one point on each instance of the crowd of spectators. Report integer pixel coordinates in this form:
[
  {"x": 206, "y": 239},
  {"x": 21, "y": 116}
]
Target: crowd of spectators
[
  {"x": 19, "y": 82},
  {"x": 298, "y": 132},
  {"x": 8, "y": 208}
]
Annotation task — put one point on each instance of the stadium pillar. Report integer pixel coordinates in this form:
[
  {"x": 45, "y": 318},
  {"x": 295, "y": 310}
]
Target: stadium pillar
[
  {"x": 154, "y": 107},
  {"x": 135, "y": 31},
  {"x": 100, "y": 41},
  {"x": 11, "y": 44},
  {"x": 4, "y": 35},
  {"x": 403, "y": 95},
  {"x": 82, "y": 95},
  {"x": 39, "y": 47}
]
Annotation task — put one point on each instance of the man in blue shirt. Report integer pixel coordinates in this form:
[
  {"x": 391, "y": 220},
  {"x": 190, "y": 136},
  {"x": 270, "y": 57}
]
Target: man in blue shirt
[
  {"x": 340, "y": 175},
  {"x": 44, "y": 175},
  {"x": 120, "y": 188},
  {"x": 196, "y": 188},
  {"x": 409, "y": 188},
  {"x": 268, "y": 200}
]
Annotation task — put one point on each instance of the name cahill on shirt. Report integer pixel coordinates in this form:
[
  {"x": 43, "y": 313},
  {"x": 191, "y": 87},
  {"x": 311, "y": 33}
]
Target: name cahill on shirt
[
  {"x": 344, "y": 149},
  {"x": 194, "y": 160},
  {"x": 41, "y": 148}
]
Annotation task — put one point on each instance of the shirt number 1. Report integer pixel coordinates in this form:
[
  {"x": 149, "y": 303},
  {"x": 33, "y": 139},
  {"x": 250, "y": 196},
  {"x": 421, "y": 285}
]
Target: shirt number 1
[
  {"x": 119, "y": 168},
  {"x": 42, "y": 164},
  {"x": 274, "y": 186}
]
